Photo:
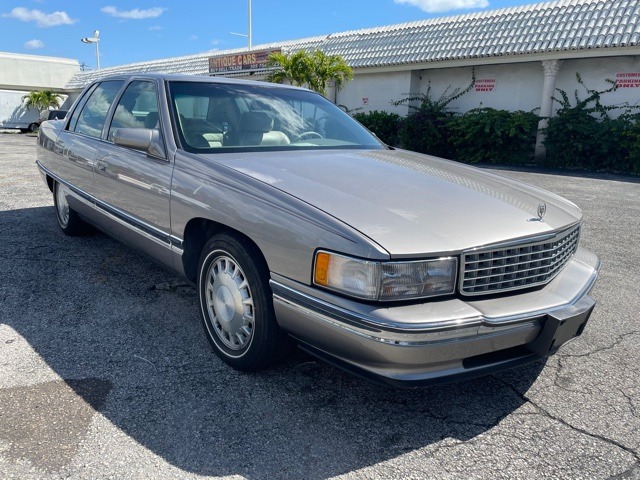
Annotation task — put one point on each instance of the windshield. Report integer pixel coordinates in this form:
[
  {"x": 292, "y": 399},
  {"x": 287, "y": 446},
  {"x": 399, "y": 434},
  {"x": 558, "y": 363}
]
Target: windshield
[{"x": 213, "y": 117}]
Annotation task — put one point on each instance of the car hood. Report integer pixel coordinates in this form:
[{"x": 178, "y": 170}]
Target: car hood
[{"x": 408, "y": 203}]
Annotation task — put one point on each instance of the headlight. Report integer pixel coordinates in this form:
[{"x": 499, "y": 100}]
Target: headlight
[{"x": 385, "y": 281}]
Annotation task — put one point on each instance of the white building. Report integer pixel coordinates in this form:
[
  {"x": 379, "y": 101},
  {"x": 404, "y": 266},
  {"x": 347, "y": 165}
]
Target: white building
[
  {"x": 20, "y": 74},
  {"x": 520, "y": 55}
]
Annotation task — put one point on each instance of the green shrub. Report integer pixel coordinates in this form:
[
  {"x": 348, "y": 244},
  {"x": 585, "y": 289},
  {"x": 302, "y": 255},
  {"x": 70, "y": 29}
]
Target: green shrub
[
  {"x": 585, "y": 136},
  {"x": 571, "y": 139},
  {"x": 631, "y": 139},
  {"x": 426, "y": 128},
  {"x": 426, "y": 131},
  {"x": 580, "y": 136},
  {"x": 384, "y": 124},
  {"x": 493, "y": 136}
]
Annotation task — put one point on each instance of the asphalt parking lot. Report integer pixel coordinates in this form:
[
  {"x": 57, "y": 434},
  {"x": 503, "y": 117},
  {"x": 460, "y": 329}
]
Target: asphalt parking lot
[{"x": 105, "y": 373}]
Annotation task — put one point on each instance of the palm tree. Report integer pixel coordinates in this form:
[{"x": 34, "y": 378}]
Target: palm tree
[
  {"x": 41, "y": 100},
  {"x": 295, "y": 68},
  {"x": 315, "y": 69},
  {"x": 329, "y": 68}
]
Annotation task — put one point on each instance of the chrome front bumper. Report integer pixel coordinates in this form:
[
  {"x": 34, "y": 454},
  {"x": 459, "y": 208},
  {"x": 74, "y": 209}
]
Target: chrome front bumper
[{"x": 439, "y": 341}]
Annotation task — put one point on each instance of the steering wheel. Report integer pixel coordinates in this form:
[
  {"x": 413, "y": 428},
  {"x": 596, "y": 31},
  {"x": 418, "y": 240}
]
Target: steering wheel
[
  {"x": 309, "y": 134},
  {"x": 210, "y": 127}
]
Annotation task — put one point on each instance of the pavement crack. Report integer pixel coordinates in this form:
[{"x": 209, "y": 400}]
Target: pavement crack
[
  {"x": 562, "y": 421},
  {"x": 615, "y": 343},
  {"x": 632, "y": 407},
  {"x": 559, "y": 381}
]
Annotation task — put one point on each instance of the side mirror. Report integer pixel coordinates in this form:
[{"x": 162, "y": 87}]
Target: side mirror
[{"x": 145, "y": 139}]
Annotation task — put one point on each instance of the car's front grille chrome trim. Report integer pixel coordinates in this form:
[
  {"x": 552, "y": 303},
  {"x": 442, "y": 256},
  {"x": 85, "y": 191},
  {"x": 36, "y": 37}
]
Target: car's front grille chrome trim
[{"x": 522, "y": 264}]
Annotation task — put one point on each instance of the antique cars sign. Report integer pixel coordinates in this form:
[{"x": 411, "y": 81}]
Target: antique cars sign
[
  {"x": 248, "y": 61},
  {"x": 297, "y": 226}
]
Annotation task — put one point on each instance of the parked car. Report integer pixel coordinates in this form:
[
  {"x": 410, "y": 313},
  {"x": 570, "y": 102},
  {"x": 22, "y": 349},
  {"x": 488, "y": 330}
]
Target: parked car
[
  {"x": 297, "y": 225},
  {"x": 47, "y": 115}
]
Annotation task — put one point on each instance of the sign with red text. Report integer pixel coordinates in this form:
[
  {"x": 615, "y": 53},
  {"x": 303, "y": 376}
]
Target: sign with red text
[
  {"x": 246, "y": 61},
  {"x": 628, "y": 80},
  {"x": 485, "y": 84}
]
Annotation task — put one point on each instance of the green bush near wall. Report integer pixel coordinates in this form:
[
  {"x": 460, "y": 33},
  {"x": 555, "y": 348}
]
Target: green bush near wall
[
  {"x": 426, "y": 130},
  {"x": 575, "y": 138},
  {"x": 480, "y": 135},
  {"x": 384, "y": 124},
  {"x": 582, "y": 134},
  {"x": 493, "y": 136}
]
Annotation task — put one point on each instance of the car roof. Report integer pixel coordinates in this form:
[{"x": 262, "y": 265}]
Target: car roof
[{"x": 172, "y": 77}]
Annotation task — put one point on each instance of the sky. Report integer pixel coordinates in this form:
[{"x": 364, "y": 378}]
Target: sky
[{"x": 140, "y": 30}]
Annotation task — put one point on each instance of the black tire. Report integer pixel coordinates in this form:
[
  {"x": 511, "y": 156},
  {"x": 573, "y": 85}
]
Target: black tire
[
  {"x": 236, "y": 305},
  {"x": 70, "y": 222},
  {"x": 33, "y": 127}
]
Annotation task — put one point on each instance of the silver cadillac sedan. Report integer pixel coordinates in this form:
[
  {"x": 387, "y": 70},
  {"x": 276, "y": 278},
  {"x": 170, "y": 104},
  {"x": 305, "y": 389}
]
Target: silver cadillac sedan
[{"x": 298, "y": 226}]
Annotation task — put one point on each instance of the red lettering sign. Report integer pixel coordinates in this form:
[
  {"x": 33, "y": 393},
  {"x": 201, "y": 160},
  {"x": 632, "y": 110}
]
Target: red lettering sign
[
  {"x": 628, "y": 80},
  {"x": 485, "y": 84}
]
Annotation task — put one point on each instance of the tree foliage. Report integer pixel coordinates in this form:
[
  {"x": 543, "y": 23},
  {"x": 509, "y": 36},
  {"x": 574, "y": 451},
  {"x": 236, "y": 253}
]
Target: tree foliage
[
  {"x": 41, "y": 99},
  {"x": 312, "y": 69}
]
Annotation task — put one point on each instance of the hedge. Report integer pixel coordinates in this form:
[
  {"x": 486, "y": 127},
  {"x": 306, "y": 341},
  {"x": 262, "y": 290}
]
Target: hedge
[{"x": 582, "y": 134}]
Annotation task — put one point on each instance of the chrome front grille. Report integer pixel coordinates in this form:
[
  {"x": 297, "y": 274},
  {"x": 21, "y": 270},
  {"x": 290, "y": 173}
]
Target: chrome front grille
[{"x": 522, "y": 264}]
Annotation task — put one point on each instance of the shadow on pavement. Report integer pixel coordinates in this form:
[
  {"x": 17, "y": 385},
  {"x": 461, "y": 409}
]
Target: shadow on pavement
[{"x": 125, "y": 335}]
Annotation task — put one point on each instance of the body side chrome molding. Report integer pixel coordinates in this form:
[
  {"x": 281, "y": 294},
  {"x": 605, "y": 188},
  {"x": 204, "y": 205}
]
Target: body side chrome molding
[{"x": 169, "y": 241}]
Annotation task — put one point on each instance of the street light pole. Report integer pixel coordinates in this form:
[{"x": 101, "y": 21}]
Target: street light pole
[
  {"x": 250, "y": 33},
  {"x": 96, "y": 33},
  {"x": 95, "y": 39}
]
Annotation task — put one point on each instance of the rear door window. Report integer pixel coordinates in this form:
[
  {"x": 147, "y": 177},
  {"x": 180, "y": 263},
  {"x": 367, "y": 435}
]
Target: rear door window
[{"x": 91, "y": 117}]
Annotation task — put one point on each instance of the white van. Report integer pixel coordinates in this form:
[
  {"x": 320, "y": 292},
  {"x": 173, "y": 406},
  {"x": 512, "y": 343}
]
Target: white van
[{"x": 14, "y": 114}]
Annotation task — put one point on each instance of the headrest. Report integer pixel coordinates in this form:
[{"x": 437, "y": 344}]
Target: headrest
[
  {"x": 256, "y": 122},
  {"x": 151, "y": 121}
]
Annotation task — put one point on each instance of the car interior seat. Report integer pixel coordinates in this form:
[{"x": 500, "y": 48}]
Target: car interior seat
[{"x": 256, "y": 128}]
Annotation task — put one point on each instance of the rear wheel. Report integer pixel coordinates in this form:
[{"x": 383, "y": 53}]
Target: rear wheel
[
  {"x": 236, "y": 305},
  {"x": 69, "y": 221}
]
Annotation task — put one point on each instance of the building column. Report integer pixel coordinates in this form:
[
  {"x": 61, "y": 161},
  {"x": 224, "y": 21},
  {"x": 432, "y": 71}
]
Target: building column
[
  {"x": 332, "y": 91},
  {"x": 551, "y": 69},
  {"x": 415, "y": 82}
]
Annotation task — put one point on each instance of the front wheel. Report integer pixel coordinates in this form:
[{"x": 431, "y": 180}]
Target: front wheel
[{"x": 236, "y": 305}]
